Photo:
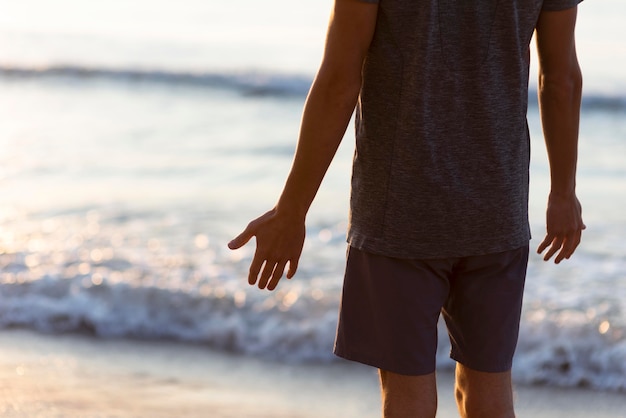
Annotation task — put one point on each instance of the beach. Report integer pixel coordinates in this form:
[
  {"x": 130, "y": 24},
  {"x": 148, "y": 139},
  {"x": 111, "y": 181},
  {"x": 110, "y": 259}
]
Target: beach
[
  {"x": 139, "y": 137},
  {"x": 82, "y": 376}
]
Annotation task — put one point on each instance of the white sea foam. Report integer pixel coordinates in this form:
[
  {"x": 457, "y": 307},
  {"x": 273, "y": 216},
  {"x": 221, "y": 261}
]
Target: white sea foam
[
  {"x": 555, "y": 351},
  {"x": 134, "y": 283}
]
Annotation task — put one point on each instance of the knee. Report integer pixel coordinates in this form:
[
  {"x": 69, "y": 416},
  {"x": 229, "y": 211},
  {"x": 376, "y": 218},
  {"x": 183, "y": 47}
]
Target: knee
[
  {"x": 408, "y": 396},
  {"x": 483, "y": 395}
]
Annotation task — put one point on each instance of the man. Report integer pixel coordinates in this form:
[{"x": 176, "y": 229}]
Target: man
[{"x": 439, "y": 199}]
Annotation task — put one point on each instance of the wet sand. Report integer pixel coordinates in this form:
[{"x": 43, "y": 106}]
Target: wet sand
[{"x": 79, "y": 376}]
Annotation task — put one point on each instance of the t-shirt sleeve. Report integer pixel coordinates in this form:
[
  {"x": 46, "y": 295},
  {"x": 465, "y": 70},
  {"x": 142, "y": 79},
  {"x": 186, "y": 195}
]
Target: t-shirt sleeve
[{"x": 554, "y": 5}]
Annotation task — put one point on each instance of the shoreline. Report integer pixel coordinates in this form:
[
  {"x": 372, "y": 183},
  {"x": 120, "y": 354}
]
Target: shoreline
[{"x": 72, "y": 375}]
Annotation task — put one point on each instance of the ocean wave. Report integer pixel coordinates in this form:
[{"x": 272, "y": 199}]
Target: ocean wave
[
  {"x": 231, "y": 320},
  {"x": 249, "y": 83},
  {"x": 577, "y": 352},
  {"x": 292, "y": 326}
]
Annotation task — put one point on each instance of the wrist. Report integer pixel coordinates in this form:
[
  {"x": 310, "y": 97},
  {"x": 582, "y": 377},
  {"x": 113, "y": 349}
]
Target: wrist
[
  {"x": 291, "y": 211},
  {"x": 562, "y": 193}
]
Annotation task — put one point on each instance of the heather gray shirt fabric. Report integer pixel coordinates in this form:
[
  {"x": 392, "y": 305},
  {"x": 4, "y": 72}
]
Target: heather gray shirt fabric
[{"x": 442, "y": 146}]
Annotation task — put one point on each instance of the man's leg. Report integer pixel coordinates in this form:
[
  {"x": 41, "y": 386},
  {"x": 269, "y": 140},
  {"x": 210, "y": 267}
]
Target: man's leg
[
  {"x": 483, "y": 395},
  {"x": 483, "y": 314},
  {"x": 408, "y": 396}
]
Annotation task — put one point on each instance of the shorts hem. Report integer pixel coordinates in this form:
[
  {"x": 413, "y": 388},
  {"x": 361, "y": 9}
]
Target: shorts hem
[
  {"x": 382, "y": 365},
  {"x": 499, "y": 368}
]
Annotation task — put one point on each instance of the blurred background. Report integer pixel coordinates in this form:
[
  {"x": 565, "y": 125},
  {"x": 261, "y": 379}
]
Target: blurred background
[{"x": 138, "y": 137}]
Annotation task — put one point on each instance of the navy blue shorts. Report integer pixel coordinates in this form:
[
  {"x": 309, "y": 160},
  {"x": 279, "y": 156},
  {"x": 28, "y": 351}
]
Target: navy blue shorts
[{"x": 390, "y": 308}]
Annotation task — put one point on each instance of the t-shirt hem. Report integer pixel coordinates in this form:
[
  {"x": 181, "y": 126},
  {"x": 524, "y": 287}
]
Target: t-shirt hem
[
  {"x": 374, "y": 246},
  {"x": 563, "y": 5}
]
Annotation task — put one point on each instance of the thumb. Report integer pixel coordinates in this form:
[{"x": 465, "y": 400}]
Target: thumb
[
  {"x": 241, "y": 239},
  {"x": 250, "y": 231}
]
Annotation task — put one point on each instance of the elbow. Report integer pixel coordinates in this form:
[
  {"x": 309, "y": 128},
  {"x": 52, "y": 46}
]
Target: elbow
[
  {"x": 337, "y": 88},
  {"x": 565, "y": 85},
  {"x": 344, "y": 84}
]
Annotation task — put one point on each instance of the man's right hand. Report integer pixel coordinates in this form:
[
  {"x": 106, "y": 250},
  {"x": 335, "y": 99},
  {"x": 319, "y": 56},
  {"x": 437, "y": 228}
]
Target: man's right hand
[{"x": 279, "y": 239}]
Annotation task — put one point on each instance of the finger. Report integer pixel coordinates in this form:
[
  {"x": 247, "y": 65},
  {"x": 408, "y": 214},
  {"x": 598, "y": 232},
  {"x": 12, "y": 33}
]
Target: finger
[
  {"x": 293, "y": 267},
  {"x": 561, "y": 255},
  {"x": 266, "y": 273},
  {"x": 276, "y": 276},
  {"x": 563, "y": 251},
  {"x": 255, "y": 268},
  {"x": 571, "y": 243},
  {"x": 551, "y": 251},
  {"x": 578, "y": 236},
  {"x": 545, "y": 243},
  {"x": 557, "y": 243}
]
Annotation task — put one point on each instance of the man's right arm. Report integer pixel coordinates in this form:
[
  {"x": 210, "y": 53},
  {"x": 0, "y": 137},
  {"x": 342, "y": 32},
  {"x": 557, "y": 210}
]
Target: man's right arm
[
  {"x": 280, "y": 232},
  {"x": 560, "y": 89}
]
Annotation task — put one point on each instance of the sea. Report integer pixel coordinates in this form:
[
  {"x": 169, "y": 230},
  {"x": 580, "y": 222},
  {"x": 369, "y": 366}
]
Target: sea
[{"x": 137, "y": 137}]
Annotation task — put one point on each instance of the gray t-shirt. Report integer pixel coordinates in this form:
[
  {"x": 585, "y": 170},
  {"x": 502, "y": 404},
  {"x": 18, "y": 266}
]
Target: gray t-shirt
[{"x": 442, "y": 145}]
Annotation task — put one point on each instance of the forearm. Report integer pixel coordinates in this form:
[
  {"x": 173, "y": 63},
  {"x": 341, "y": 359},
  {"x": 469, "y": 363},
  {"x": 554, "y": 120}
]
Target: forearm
[
  {"x": 559, "y": 99},
  {"x": 326, "y": 115}
]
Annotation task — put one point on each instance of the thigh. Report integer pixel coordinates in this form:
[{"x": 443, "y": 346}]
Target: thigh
[
  {"x": 484, "y": 307},
  {"x": 389, "y": 312}
]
